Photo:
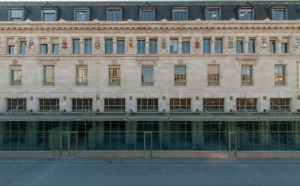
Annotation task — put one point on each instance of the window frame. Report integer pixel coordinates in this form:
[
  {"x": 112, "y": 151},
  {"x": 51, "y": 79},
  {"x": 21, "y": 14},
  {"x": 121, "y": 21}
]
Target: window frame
[
  {"x": 246, "y": 104},
  {"x": 79, "y": 104},
  {"x": 277, "y": 76},
  {"x": 88, "y": 46},
  {"x": 241, "y": 43},
  {"x": 120, "y": 46},
  {"x": 82, "y": 9},
  {"x": 213, "y": 79},
  {"x": 206, "y": 50},
  {"x": 208, "y": 104},
  {"x": 246, "y": 9},
  {"x": 141, "y": 46},
  {"x": 109, "y": 44},
  {"x": 147, "y": 9},
  {"x": 52, "y": 10},
  {"x": 279, "y": 8},
  {"x": 272, "y": 46},
  {"x": 144, "y": 104},
  {"x": 81, "y": 75},
  {"x": 23, "y": 46},
  {"x": 218, "y": 41},
  {"x": 185, "y": 46},
  {"x": 173, "y": 46},
  {"x": 114, "y": 104},
  {"x": 45, "y": 81},
  {"x": 117, "y": 9},
  {"x": 246, "y": 81},
  {"x": 11, "y": 49},
  {"x": 179, "y": 79},
  {"x": 114, "y": 75},
  {"x": 153, "y": 46},
  {"x": 179, "y": 9},
  {"x": 10, "y": 17},
  {"x": 209, "y": 9},
  {"x": 44, "y": 107},
  {"x": 45, "y": 46},
  {"x": 11, "y": 106},
  {"x": 180, "y": 104},
  {"x": 76, "y": 46},
  {"x": 277, "y": 106},
  {"x": 54, "y": 45},
  {"x": 253, "y": 47},
  {"x": 16, "y": 81},
  {"x": 151, "y": 79}
]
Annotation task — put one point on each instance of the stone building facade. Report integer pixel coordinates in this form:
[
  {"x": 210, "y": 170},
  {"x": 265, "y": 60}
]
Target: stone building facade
[{"x": 196, "y": 79}]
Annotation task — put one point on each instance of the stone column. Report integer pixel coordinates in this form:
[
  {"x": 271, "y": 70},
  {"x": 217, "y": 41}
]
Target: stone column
[
  {"x": 164, "y": 134},
  {"x": 96, "y": 136},
  {"x": 245, "y": 43},
  {"x": 17, "y": 45},
  {"x": 114, "y": 45},
  {"x": 131, "y": 132},
  {"x": 212, "y": 45},
  {"x": 31, "y": 135},
  {"x": 179, "y": 45},
  {"x": 147, "y": 45},
  {"x": 264, "y": 129},
  {"x": 81, "y": 41},
  {"x": 197, "y": 135},
  {"x": 278, "y": 45},
  {"x": 49, "y": 46}
]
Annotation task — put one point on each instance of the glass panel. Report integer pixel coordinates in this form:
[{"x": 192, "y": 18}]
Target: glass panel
[
  {"x": 82, "y": 75},
  {"x": 43, "y": 49},
  {"x": 76, "y": 46},
  {"x": 82, "y": 15},
  {"x": 120, "y": 47},
  {"x": 218, "y": 46},
  {"x": 48, "y": 75},
  {"x": 11, "y": 49},
  {"x": 180, "y": 75},
  {"x": 284, "y": 48},
  {"x": 108, "y": 46},
  {"x": 278, "y": 14},
  {"x": 55, "y": 48},
  {"x": 16, "y": 77},
  {"x": 272, "y": 46},
  {"x": 206, "y": 46},
  {"x": 141, "y": 47},
  {"x": 147, "y": 15},
  {"x": 114, "y": 15},
  {"x": 212, "y": 14},
  {"x": 179, "y": 15},
  {"x": 251, "y": 46},
  {"x": 173, "y": 46},
  {"x": 153, "y": 46},
  {"x": 16, "y": 15},
  {"x": 239, "y": 47},
  {"x": 185, "y": 47},
  {"x": 147, "y": 75},
  {"x": 88, "y": 46},
  {"x": 245, "y": 14},
  {"x": 49, "y": 15},
  {"x": 23, "y": 47}
]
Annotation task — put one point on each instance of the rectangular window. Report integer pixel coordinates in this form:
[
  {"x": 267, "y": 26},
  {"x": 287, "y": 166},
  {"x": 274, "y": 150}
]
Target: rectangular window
[
  {"x": 179, "y": 14},
  {"x": 141, "y": 47},
  {"x": 114, "y": 104},
  {"x": 16, "y": 105},
  {"x": 81, "y": 75},
  {"x": 239, "y": 47},
  {"x": 251, "y": 46},
  {"x": 23, "y": 47},
  {"x": 212, "y": 14},
  {"x": 173, "y": 46},
  {"x": 43, "y": 49},
  {"x": 183, "y": 104},
  {"x": 114, "y": 75},
  {"x": 16, "y": 14},
  {"x": 206, "y": 46},
  {"x": 109, "y": 46},
  {"x": 150, "y": 104},
  {"x": 284, "y": 48},
  {"x": 49, "y": 15},
  {"x": 279, "y": 14},
  {"x": 85, "y": 104},
  {"x": 185, "y": 47},
  {"x": 51, "y": 104},
  {"x": 147, "y": 15},
  {"x": 120, "y": 46},
  {"x": 279, "y": 75},
  {"x": 147, "y": 75},
  {"x": 76, "y": 46},
  {"x": 153, "y": 46},
  {"x": 213, "y": 104},
  {"x": 280, "y": 104},
  {"x": 246, "y": 104},
  {"x": 246, "y": 75},
  {"x": 49, "y": 75},
  {"x": 180, "y": 75},
  {"x": 16, "y": 75},
  {"x": 55, "y": 48},
  {"x": 246, "y": 14},
  {"x": 82, "y": 15},
  {"x": 213, "y": 75},
  {"x": 114, "y": 14},
  {"x": 11, "y": 49},
  {"x": 218, "y": 46},
  {"x": 272, "y": 46},
  {"x": 88, "y": 46}
]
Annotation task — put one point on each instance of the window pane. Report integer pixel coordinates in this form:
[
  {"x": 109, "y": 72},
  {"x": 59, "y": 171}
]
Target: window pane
[
  {"x": 245, "y": 14},
  {"x": 81, "y": 15},
  {"x": 212, "y": 14},
  {"x": 141, "y": 47},
  {"x": 55, "y": 48},
  {"x": 284, "y": 48},
  {"x": 153, "y": 46},
  {"x": 239, "y": 47},
  {"x": 49, "y": 15},
  {"x": 16, "y": 15},
  {"x": 278, "y": 14},
  {"x": 114, "y": 15},
  {"x": 147, "y": 15},
  {"x": 147, "y": 75},
  {"x": 16, "y": 77},
  {"x": 179, "y": 15},
  {"x": 120, "y": 47},
  {"x": 180, "y": 75},
  {"x": 108, "y": 46},
  {"x": 23, "y": 47},
  {"x": 43, "y": 49},
  {"x": 114, "y": 75},
  {"x": 48, "y": 75},
  {"x": 173, "y": 46},
  {"x": 11, "y": 49},
  {"x": 88, "y": 46},
  {"x": 76, "y": 46},
  {"x": 251, "y": 46},
  {"x": 185, "y": 47},
  {"x": 272, "y": 45},
  {"x": 246, "y": 75},
  {"x": 218, "y": 46},
  {"x": 82, "y": 75},
  {"x": 206, "y": 46}
]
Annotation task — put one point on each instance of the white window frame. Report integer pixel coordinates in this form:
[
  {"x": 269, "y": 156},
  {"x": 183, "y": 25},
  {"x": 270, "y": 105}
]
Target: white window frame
[
  {"x": 77, "y": 10},
  {"x": 208, "y": 9},
  {"x": 179, "y": 9},
  {"x": 147, "y": 9},
  {"x": 52, "y": 10},
  {"x": 10, "y": 12},
  {"x": 246, "y": 10},
  {"x": 118, "y": 9}
]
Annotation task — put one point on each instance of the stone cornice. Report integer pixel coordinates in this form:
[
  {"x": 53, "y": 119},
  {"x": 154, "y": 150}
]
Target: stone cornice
[{"x": 149, "y": 25}]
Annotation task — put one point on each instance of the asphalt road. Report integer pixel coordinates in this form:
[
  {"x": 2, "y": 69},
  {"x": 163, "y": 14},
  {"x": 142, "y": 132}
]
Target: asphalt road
[{"x": 149, "y": 172}]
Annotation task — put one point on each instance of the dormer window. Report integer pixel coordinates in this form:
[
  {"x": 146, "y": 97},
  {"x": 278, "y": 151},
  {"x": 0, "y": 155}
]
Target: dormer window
[
  {"x": 212, "y": 13},
  {"x": 82, "y": 14},
  {"x": 246, "y": 13},
  {"x": 179, "y": 13},
  {"x": 147, "y": 13},
  {"x": 279, "y": 14},
  {"x": 49, "y": 13},
  {"x": 16, "y": 14},
  {"x": 114, "y": 14}
]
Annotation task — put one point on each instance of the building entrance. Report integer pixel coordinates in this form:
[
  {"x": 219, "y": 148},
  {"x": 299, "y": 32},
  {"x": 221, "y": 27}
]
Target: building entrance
[{"x": 68, "y": 145}]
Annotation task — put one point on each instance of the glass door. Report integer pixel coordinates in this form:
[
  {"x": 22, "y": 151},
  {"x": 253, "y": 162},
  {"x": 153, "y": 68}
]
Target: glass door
[
  {"x": 68, "y": 144},
  {"x": 148, "y": 144}
]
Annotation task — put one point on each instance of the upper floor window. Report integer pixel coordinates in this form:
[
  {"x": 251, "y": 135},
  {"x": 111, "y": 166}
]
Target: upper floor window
[
  {"x": 55, "y": 48},
  {"x": 16, "y": 104},
  {"x": 114, "y": 75},
  {"x": 180, "y": 75},
  {"x": 173, "y": 46},
  {"x": 218, "y": 46},
  {"x": 147, "y": 75},
  {"x": 85, "y": 104},
  {"x": 16, "y": 75},
  {"x": 51, "y": 104},
  {"x": 81, "y": 75},
  {"x": 88, "y": 46},
  {"x": 212, "y": 13},
  {"x": 239, "y": 47},
  {"x": 43, "y": 49},
  {"x": 251, "y": 46},
  {"x": 179, "y": 14},
  {"x": 272, "y": 46},
  {"x": 114, "y": 14},
  {"x": 82, "y": 14},
  {"x": 49, "y": 14},
  {"x": 279, "y": 13},
  {"x": 76, "y": 46},
  {"x": 213, "y": 75},
  {"x": 109, "y": 46},
  {"x": 183, "y": 104},
  {"x": 245, "y": 14},
  {"x": 246, "y": 77},
  {"x": 114, "y": 104},
  {"x": 284, "y": 48},
  {"x": 16, "y": 14},
  {"x": 150, "y": 104},
  {"x": 23, "y": 47},
  {"x": 280, "y": 104},
  {"x": 141, "y": 46},
  {"x": 246, "y": 104},
  {"x": 147, "y": 14},
  {"x": 11, "y": 49},
  {"x": 279, "y": 74},
  {"x": 185, "y": 47},
  {"x": 49, "y": 75},
  {"x": 121, "y": 46},
  {"x": 206, "y": 46},
  {"x": 152, "y": 46},
  {"x": 213, "y": 104}
]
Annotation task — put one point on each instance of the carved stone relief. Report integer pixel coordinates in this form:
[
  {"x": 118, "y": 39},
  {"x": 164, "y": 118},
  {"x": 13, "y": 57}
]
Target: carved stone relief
[
  {"x": 130, "y": 45},
  {"x": 163, "y": 45}
]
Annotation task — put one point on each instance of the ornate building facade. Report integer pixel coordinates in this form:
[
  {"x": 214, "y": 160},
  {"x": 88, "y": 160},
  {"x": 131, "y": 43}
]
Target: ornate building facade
[{"x": 158, "y": 79}]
